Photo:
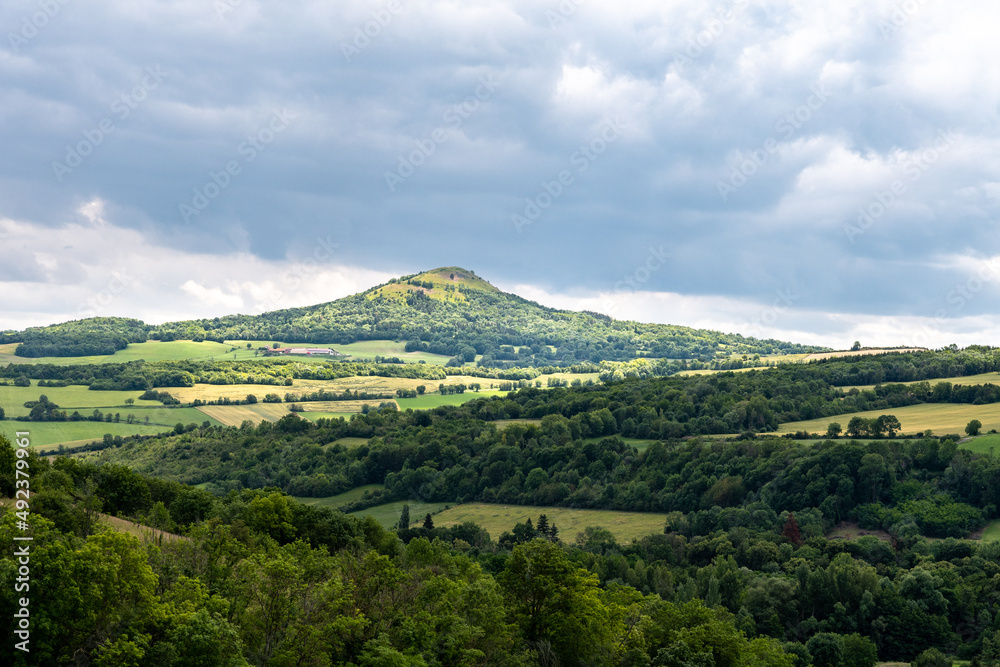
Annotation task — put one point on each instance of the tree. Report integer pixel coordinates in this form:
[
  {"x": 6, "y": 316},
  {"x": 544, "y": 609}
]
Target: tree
[
  {"x": 421, "y": 389},
  {"x": 827, "y": 649},
  {"x": 555, "y": 601},
  {"x": 833, "y": 430},
  {"x": 129, "y": 401},
  {"x": 973, "y": 427},
  {"x": 404, "y": 517},
  {"x": 931, "y": 658},
  {"x": 543, "y": 525},
  {"x": 859, "y": 651},
  {"x": 856, "y": 346},
  {"x": 791, "y": 530},
  {"x": 857, "y": 426},
  {"x": 251, "y": 399},
  {"x": 428, "y": 522},
  {"x": 889, "y": 424}
]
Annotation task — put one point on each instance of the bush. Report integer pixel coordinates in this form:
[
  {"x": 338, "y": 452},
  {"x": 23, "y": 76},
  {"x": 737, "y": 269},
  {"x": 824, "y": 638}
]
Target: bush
[{"x": 931, "y": 658}]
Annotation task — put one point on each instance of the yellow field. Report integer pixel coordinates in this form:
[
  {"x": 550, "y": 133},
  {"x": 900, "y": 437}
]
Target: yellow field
[
  {"x": 341, "y": 406},
  {"x": 941, "y": 418},
  {"x": 496, "y": 519},
  {"x": 234, "y": 415}
]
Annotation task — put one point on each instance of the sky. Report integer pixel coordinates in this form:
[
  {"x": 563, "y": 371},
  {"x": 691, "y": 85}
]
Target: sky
[{"x": 813, "y": 172}]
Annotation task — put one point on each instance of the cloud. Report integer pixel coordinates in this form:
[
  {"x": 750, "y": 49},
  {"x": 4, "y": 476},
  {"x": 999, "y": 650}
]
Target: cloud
[{"x": 809, "y": 112}]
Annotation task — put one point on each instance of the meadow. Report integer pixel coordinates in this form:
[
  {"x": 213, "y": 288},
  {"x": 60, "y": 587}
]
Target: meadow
[
  {"x": 981, "y": 378},
  {"x": 639, "y": 443},
  {"x": 983, "y": 444},
  {"x": 55, "y": 433},
  {"x": 941, "y": 418},
  {"x": 342, "y": 499},
  {"x": 430, "y": 401},
  {"x": 991, "y": 533},
  {"x": 496, "y": 519},
  {"x": 388, "y": 514},
  {"x": 150, "y": 351},
  {"x": 12, "y": 399}
]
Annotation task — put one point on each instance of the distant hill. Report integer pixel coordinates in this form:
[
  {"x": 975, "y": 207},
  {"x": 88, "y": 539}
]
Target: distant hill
[{"x": 448, "y": 310}]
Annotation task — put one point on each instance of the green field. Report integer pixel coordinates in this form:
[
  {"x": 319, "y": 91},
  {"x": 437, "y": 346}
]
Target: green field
[
  {"x": 150, "y": 351},
  {"x": 991, "y": 533},
  {"x": 342, "y": 499},
  {"x": 429, "y": 401},
  {"x": 12, "y": 399},
  {"x": 54, "y": 433},
  {"x": 941, "y": 418},
  {"x": 638, "y": 443},
  {"x": 369, "y": 349},
  {"x": 504, "y": 423},
  {"x": 388, "y": 514},
  {"x": 984, "y": 444},
  {"x": 496, "y": 519},
  {"x": 315, "y": 416},
  {"x": 982, "y": 378}
]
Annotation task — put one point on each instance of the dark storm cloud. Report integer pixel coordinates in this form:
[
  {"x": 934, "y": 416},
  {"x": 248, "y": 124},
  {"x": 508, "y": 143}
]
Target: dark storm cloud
[{"x": 845, "y": 152}]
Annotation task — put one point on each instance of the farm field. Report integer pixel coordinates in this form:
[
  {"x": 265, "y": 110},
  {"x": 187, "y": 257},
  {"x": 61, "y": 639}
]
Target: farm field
[
  {"x": 315, "y": 416},
  {"x": 941, "y": 418},
  {"x": 12, "y": 399},
  {"x": 234, "y": 415},
  {"x": 342, "y": 499},
  {"x": 150, "y": 351},
  {"x": 429, "y": 401},
  {"x": 371, "y": 384},
  {"x": 369, "y": 349},
  {"x": 388, "y": 514},
  {"x": 981, "y": 378},
  {"x": 55, "y": 433},
  {"x": 815, "y": 356},
  {"x": 983, "y": 444},
  {"x": 626, "y": 526}
]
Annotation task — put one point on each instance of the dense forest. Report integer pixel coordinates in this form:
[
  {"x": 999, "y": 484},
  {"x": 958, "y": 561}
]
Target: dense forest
[
  {"x": 461, "y": 321},
  {"x": 79, "y": 338},
  {"x": 741, "y": 574}
]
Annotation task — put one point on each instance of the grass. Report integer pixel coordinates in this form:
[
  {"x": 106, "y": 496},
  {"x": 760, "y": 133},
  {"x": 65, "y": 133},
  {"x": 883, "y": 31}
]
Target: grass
[
  {"x": 504, "y": 423},
  {"x": 388, "y": 514},
  {"x": 150, "y": 351},
  {"x": 941, "y": 418},
  {"x": 234, "y": 415},
  {"x": 55, "y": 433},
  {"x": 981, "y": 378},
  {"x": 315, "y": 416},
  {"x": 983, "y": 444},
  {"x": 429, "y": 401},
  {"x": 496, "y": 519},
  {"x": 639, "y": 443},
  {"x": 12, "y": 399},
  {"x": 369, "y": 349},
  {"x": 146, "y": 534},
  {"x": 343, "y": 498},
  {"x": 350, "y": 442},
  {"x": 991, "y": 533}
]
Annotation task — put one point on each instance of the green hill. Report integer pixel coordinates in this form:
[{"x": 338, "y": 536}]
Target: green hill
[{"x": 448, "y": 310}]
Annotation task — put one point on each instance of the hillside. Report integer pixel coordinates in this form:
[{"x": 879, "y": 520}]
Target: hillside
[{"x": 447, "y": 310}]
